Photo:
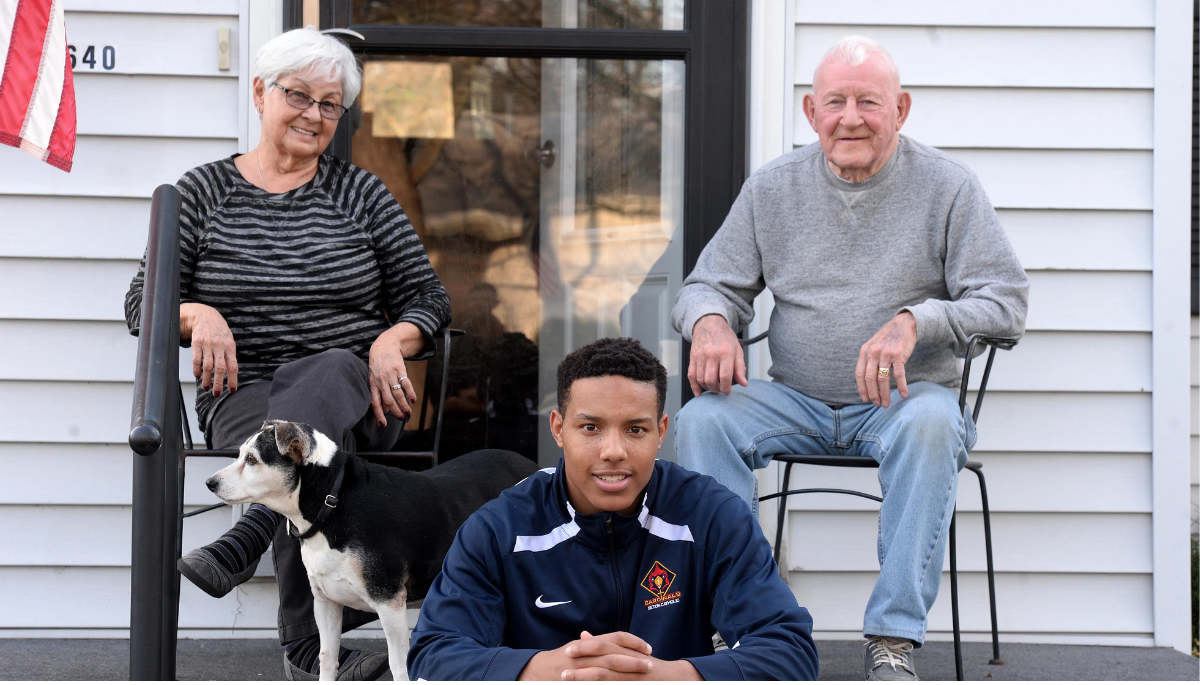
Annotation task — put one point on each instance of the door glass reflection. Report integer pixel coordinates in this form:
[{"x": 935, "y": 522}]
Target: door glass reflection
[
  {"x": 548, "y": 193},
  {"x": 583, "y": 14}
]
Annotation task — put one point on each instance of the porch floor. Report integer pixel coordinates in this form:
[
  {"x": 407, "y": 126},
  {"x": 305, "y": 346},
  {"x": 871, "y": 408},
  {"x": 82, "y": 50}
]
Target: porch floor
[{"x": 53, "y": 659}]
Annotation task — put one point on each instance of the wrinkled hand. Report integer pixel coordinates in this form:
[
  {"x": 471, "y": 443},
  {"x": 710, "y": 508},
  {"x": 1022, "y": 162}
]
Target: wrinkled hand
[
  {"x": 386, "y": 369},
  {"x": 716, "y": 360},
  {"x": 889, "y": 348},
  {"x": 214, "y": 354}
]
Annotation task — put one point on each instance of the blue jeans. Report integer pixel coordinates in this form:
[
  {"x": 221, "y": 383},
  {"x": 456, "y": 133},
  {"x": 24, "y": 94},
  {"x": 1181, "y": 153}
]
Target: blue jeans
[{"x": 920, "y": 443}]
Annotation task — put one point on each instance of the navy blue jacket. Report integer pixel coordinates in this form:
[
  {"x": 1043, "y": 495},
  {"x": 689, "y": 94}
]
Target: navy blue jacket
[{"x": 527, "y": 573}]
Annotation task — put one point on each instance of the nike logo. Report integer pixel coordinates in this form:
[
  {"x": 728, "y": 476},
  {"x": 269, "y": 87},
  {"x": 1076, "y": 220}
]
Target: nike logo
[{"x": 545, "y": 605}]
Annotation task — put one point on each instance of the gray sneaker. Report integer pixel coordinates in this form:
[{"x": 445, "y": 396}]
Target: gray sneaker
[
  {"x": 202, "y": 569},
  {"x": 888, "y": 658},
  {"x": 362, "y": 665}
]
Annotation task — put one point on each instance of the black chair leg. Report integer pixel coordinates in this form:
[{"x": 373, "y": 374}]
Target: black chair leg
[
  {"x": 958, "y": 663},
  {"x": 787, "y": 480},
  {"x": 987, "y": 538}
]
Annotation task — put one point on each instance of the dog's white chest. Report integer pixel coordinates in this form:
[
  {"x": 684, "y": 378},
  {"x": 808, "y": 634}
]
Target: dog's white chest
[{"x": 336, "y": 575}]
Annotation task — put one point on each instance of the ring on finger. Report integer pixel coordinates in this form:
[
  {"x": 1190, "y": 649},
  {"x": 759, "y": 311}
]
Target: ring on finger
[
  {"x": 398, "y": 385},
  {"x": 885, "y": 372}
]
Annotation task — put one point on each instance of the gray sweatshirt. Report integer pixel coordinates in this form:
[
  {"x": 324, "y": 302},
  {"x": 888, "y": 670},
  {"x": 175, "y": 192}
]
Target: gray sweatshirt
[{"x": 842, "y": 259}]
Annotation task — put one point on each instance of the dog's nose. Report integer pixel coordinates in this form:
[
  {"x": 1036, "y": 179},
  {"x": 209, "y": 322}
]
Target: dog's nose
[{"x": 212, "y": 483}]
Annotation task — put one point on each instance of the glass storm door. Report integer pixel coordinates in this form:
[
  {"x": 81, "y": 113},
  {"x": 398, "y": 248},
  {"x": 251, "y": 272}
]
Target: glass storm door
[
  {"x": 549, "y": 195},
  {"x": 611, "y": 213},
  {"x": 538, "y": 147}
]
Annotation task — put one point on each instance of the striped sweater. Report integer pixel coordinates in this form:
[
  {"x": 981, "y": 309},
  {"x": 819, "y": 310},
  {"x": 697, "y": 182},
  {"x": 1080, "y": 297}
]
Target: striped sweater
[{"x": 331, "y": 264}]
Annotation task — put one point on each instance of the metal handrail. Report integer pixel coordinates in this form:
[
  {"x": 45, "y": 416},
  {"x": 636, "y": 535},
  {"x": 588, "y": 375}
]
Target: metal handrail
[
  {"x": 161, "y": 281},
  {"x": 155, "y": 438}
]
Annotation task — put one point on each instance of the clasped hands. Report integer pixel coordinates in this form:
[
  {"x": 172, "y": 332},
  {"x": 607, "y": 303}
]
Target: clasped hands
[
  {"x": 716, "y": 360},
  {"x": 612, "y": 656}
]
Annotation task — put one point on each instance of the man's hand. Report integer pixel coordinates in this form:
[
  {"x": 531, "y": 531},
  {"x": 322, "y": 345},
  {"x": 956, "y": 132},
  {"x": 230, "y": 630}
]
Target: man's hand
[
  {"x": 214, "y": 354},
  {"x": 890, "y": 348},
  {"x": 613, "y": 656},
  {"x": 716, "y": 360}
]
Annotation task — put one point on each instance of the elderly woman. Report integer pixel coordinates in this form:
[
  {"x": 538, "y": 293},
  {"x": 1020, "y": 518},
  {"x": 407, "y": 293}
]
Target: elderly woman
[{"x": 303, "y": 287}]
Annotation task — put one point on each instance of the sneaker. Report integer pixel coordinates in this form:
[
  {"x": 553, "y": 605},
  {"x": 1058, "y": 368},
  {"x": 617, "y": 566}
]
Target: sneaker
[
  {"x": 888, "y": 658},
  {"x": 362, "y": 665},
  {"x": 202, "y": 569}
]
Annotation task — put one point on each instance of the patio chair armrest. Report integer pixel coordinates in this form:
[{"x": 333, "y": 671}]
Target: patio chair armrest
[
  {"x": 751, "y": 341},
  {"x": 995, "y": 343},
  {"x": 431, "y": 350},
  {"x": 998, "y": 343}
]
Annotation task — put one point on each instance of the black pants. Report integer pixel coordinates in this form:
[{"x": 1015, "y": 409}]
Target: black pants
[{"x": 329, "y": 392}]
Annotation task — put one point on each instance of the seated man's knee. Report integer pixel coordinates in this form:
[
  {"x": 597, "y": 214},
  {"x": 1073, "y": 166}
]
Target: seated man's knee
[
  {"x": 932, "y": 420},
  {"x": 702, "y": 414}
]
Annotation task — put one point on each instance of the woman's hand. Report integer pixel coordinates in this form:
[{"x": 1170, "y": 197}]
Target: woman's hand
[
  {"x": 391, "y": 390},
  {"x": 214, "y": 354}
]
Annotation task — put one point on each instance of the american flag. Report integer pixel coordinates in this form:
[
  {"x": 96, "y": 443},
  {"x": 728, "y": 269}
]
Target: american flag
[{"x": 37, "y": 94}]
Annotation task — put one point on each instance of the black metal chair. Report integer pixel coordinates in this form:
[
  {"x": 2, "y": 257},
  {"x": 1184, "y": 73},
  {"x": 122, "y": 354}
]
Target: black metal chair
[
  {"x": 432, "y": 394},
  {"x": 162, "y": 441},
  {"x": 862, "y": 462}
]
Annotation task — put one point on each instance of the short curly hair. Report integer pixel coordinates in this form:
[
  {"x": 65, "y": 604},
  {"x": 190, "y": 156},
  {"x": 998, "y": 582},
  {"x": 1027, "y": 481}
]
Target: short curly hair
[{"x": 612, "y": 357}]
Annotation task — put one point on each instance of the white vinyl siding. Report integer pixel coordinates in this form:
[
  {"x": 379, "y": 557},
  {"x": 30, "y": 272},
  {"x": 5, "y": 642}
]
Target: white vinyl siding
[
  {"x": 69, "y": 245},
  {"x": 1051, "y": 105}
]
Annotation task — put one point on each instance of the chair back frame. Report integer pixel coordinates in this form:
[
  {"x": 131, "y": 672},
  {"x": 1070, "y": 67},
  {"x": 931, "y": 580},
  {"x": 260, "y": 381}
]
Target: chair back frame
[{"x": 790, "y": 460}]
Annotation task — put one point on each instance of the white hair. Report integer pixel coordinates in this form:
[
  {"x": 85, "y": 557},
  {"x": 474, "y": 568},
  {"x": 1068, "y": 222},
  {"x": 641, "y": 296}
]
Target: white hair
[
  {"x": 311, "y": 53},
  {"x": 853, "y": 51}
]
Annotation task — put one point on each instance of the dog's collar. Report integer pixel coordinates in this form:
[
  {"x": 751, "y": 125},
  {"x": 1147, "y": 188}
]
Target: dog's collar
[{"x": 331, "y": 502}]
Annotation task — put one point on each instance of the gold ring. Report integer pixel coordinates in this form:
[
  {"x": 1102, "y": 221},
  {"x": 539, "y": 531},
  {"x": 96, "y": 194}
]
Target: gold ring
[{"x": 885, "y": 372}]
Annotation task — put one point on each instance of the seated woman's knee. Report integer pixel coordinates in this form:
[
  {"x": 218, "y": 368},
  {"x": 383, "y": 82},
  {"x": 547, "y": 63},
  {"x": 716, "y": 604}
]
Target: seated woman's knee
[{"x": 340, "y": 359}]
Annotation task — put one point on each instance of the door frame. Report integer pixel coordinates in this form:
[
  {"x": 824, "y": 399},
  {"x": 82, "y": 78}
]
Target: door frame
[{"x": 712, "y": 45}]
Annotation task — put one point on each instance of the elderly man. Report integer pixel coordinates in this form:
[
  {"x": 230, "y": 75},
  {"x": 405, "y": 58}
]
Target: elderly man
[{"x": 884, "y": 257}]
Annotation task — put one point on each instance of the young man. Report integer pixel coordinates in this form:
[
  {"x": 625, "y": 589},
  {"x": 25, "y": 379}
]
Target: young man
[{"x": 614, "y": 565}]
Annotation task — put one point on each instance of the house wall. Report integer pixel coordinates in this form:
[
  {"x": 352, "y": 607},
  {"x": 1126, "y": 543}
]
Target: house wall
[
  {"x": 1052, "y": 105},
  {"x": 1067, "y": 449},
  {"x": 69, "y": 245}
]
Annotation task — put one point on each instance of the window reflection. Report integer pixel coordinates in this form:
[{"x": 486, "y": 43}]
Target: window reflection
[
  {"x": 540, "y": 252},
  {"x": 590, "y": 14}
]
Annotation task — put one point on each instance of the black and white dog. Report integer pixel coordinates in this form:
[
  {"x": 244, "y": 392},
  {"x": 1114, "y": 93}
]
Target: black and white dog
[{"x": 372, "y": 537}]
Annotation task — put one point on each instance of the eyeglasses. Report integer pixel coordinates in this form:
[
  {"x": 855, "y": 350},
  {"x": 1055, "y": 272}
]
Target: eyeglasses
[{"x": 329, "y": 110}]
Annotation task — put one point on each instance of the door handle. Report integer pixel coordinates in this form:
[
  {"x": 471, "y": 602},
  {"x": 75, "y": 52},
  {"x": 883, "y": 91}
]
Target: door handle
[{"x": 545, "y": 154}]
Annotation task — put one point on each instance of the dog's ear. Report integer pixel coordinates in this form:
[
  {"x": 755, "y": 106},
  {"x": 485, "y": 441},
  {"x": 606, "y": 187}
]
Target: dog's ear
[{"x": 294, "y": 440}]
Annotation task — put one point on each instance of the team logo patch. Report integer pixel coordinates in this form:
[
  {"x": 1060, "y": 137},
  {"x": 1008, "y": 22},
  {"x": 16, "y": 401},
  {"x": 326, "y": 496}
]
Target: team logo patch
[{"x": 658, "y": 581}]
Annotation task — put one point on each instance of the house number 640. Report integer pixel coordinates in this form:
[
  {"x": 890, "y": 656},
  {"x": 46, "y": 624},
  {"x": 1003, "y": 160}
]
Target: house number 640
[{"x": 108, "y": 57}]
